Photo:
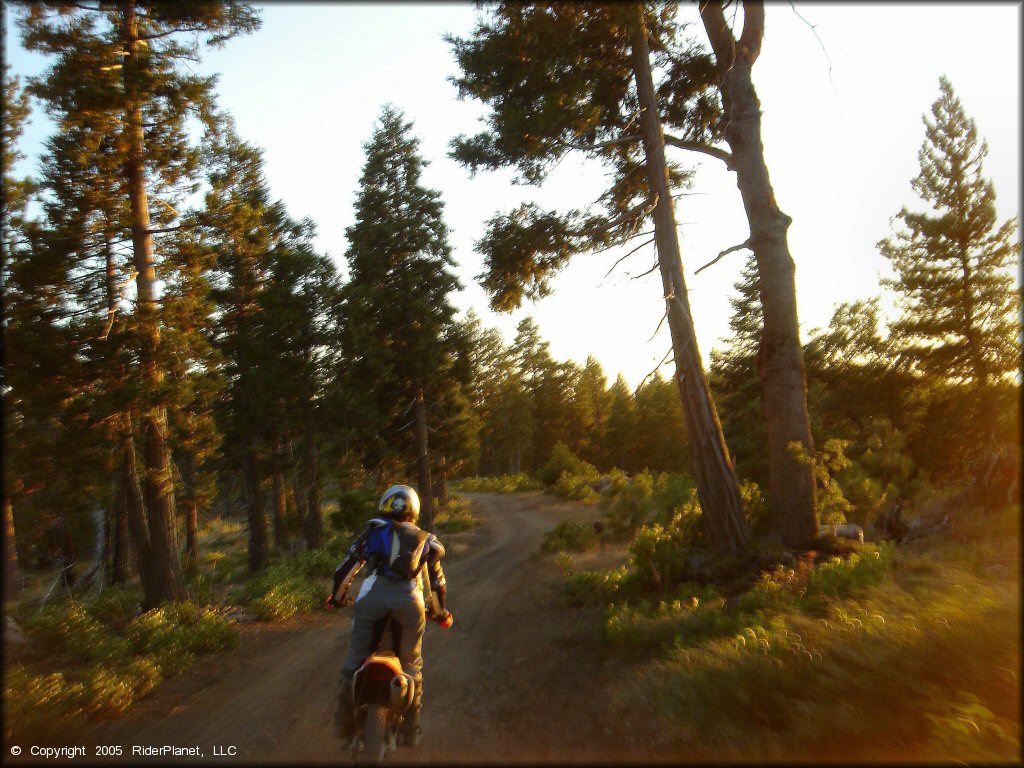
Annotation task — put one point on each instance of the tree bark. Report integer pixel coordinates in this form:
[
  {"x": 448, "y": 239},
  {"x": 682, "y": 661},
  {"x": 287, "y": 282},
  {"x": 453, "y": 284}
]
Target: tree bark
[
  {"x": 792, "y": 493},
  {"x": 259, "y": 555},
  {"x": 423, "y": 463},
  {"x": 297, "y": 495},
  {"x": 167, "y": 582},
  {"x": 442, "y": 490},
  {"x": 12, "y": 578},
  {"x": 119, "y": 559},
  {"x": 717, "y": 485},
  {"x": 313, "y": 525},
  {"x": 191, "y": 564},
  {"x": 280, "y": 502},
  {"x": 135, "y": 509}
]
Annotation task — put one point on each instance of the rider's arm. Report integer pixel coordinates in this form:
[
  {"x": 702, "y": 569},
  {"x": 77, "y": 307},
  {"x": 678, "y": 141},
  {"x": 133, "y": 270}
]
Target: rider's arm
[
  {"x": 356, "y": 557},
  {"x": 435, "y": 551}
]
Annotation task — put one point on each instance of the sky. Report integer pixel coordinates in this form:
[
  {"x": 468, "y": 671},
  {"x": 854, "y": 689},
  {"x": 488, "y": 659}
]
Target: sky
[{"x": 843, "y": 88}]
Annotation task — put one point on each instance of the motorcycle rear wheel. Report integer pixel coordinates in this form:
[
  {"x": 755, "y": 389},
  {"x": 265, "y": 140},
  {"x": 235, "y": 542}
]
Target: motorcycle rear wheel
[{"x": 374, "y": 735}]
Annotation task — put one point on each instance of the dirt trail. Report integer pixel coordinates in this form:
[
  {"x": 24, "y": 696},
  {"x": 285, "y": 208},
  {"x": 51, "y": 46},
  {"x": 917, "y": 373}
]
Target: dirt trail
[{"x": 518, "y": 677}]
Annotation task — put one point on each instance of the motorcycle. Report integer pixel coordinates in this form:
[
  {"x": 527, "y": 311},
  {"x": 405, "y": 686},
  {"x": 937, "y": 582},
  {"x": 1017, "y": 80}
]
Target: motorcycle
[{"x": 383, "y": 692}]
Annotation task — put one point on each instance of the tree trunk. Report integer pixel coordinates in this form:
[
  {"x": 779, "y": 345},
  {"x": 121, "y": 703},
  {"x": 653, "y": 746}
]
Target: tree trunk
[
  {"x": 259, "y": 555},
  {"x": 12, "y": 578},
  {"x": 423, "y": 463},
  {"x": 135, "y": 511},
  {"x": 67, "y": 552},
  {"x": 792, "y": 493},
  {"x": 717, "y": 485},
  {"x": 119, "y": 559},
  {"x": 301, "y": 509},
  {"x": 191, "y": 564},
  {"x": 280, "y": 503},
  {"x": 313, "y": 526},
  {"x": 167, "y": 583},
  {"x": 442, "y": 490}
]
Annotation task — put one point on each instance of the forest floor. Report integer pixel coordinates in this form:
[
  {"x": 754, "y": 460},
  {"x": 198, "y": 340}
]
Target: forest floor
[{"x": 518, "y": 678}]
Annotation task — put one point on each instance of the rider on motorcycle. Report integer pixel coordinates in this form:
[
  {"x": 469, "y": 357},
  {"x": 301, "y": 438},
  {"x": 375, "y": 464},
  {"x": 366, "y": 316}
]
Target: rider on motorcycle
[{"x": 394, "y": 550}]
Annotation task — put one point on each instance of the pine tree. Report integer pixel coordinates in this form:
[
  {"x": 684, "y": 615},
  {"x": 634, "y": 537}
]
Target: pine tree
[
  {"x": 622, "y": 436},
  {"x": 736, "y": 383},
  {"x": 953, "y": 262},
  {"x": 398, "y": 348},
  {"x": 122, "y": 66},
  {"x": 16, "y": 193},
  {"x": 579, "y": 77}
]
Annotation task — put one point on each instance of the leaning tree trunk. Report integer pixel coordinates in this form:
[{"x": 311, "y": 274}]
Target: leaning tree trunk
[
  {"x": 259, "y": 555},
  {"x": 166, "y": 582},
  {"x": 423, "y": 463},
  {"x": 12, "y": 578},
  {"x": 780, "y": 358},
  {"x": 135, "y": 508},
  {"x": 717, "y": 485}
]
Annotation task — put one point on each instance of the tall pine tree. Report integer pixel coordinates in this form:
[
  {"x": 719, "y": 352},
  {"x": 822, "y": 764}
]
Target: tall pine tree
[
  {"x": 961, "y": 311},
  {"x": 125, "y": 65},
  {"x": 398, "y": 350}
]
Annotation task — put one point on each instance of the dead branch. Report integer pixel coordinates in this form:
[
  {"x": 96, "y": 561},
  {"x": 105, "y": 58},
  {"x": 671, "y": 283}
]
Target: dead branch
[
  {"x": 623, "y": 258},
  {"x": 726, "y": 252},
  {"x": 113, "y": 310}
]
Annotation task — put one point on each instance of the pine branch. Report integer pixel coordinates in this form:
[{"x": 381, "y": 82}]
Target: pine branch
[{"x": 601, "y": 145}]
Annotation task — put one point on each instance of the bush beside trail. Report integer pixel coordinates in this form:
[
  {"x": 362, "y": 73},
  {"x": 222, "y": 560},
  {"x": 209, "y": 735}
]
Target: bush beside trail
[
  {"x": 870, "y": 651},
  {"x": 85, "y": 658}
]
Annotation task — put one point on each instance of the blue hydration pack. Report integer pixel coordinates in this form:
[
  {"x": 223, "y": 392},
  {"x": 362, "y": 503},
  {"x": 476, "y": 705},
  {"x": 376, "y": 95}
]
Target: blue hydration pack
[{"x": 396, "y": 548}]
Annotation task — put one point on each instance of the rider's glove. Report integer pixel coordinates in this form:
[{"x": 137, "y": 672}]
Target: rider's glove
[
  {"x": 329, "y": 603},
  {"x": 444, "y": 619}
]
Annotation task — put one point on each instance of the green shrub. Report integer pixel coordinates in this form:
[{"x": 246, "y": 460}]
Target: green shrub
[
  {"x": 833, "y": 506},
  {"x": 563, "y": 461},
  {"x": 457, "y": 517},
  {"x": 500, "y": 484},
  {"x": 631, "y": 506},
  {"x": 175, "y": 632},
  {"x": 67, "y": 631},
  {"x": 577, "y": 487},
  {"x": 881, "y": 473},
  {"x": 355, "y": 507},
  {"x": 34, "y": 704},
  {"x": 569, "y": 536},
  {"x": 294, "y": 585},
  {"x": 844, "y": 577},
  {"x": 671, "y": 492},
  {"x": 595, "y": 587}
]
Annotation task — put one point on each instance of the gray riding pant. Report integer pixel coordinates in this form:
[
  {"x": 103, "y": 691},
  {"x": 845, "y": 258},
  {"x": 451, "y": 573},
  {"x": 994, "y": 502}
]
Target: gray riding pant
[{"x": 381, "y": 598}]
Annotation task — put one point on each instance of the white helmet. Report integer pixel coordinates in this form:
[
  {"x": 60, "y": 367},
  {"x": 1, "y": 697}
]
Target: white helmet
[{"x": 401, "y": 503}]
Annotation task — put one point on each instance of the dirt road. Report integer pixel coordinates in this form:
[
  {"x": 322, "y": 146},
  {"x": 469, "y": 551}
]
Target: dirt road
[{"x": 518, "y": 677}]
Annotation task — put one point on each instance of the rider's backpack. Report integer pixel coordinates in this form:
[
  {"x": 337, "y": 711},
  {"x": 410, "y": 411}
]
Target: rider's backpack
[{"x": 397, "y": 548}]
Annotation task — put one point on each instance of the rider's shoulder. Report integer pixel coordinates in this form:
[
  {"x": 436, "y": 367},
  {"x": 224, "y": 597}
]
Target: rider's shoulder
[{"x": 377, "y": 522}]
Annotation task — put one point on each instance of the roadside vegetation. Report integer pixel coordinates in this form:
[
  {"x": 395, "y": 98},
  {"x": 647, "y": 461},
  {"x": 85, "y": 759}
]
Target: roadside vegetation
[{"x": 847, "y": 651}]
